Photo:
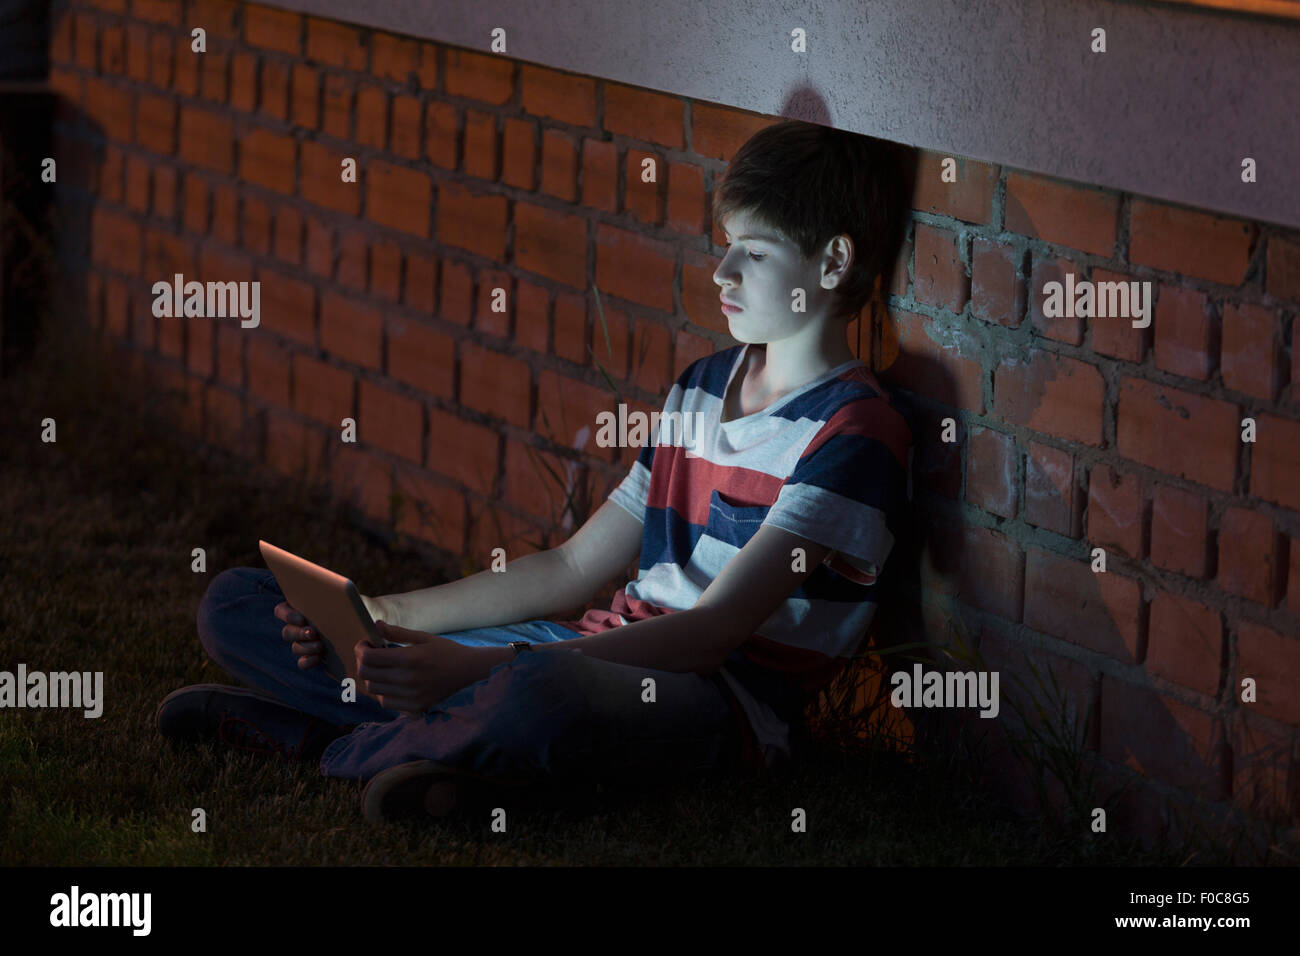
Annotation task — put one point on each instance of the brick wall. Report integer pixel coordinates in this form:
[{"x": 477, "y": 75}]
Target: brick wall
[{"x": 477, "y": 172}]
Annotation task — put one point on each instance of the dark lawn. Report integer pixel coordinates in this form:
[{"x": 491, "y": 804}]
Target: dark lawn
[{"x": 95, "y": 539}]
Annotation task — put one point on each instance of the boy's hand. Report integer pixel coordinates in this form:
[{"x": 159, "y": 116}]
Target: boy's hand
[
  {"x": 306, "y": 641},
  {"x": 412, "y": 679}
]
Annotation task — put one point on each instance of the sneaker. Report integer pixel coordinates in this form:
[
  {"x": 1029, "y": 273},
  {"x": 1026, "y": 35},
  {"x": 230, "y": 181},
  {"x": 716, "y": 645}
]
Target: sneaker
[
  {"x": 247, "y": 720},
  {"x": 417, "y": 789}
]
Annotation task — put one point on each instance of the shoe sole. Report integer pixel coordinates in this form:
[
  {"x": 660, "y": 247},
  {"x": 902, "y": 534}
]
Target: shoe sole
[{"x": 423, "y": 788}]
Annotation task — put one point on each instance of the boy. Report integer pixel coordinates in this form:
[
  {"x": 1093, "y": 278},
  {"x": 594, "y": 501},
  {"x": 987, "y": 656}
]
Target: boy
[{"x": 760, "y": 547}]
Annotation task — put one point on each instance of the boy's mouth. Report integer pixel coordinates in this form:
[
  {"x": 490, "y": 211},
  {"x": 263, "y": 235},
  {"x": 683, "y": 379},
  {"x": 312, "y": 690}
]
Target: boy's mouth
[{"x": 729, "y": 306}]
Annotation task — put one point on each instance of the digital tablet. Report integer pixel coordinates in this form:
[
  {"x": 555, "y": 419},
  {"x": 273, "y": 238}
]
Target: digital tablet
[{"x": 331, "y": 604}]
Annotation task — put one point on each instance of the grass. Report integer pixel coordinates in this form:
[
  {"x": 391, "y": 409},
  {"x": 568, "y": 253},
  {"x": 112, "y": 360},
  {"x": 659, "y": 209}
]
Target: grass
[{"x": 95, "y": 544}]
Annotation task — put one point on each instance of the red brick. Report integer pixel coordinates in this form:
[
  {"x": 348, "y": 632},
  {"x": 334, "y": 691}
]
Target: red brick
[
  {"x": 1190, "y": 243},
  {"x": 337, "y": 121},
  {"x": 110, "y": 107},
  {"x": 319, "y": 248},
  {"x": 109, "y": 182},
  {"x": 268, "y": 371},
  {"x": 275, "y": 89},
  {"x": 1113, "y": 334},
  {"x": 421, "y": 357},
  {"x": 305, "y": 84},
  {"x": 482, "y": 373},
  {"x": 988, "y": 569},
  {"x": 1179, "y": 522},
  {"x": 1062, "y": 213},
  {"x": 440, "y": 134},
  {"x": 651, "y": 345},
  {"x": 160, "y": 59},
  {"x": 352, "y": 331},
  {"x": 225, "y": 421},
  {"x": 288, "y": 235},
  {"x": 256, "y": 226},
  {"x": 571, "y": 328},
  {"x": 391, "y": 421},
  {"x": 207, "y": 139},
  {"x": 273, "y": 29},
  {"x": 117, "y": 308},
  {"x": 532, "y": 306},
  {"x": 352, "y": 270},
  {"x": 479, "y": 76},
  {"x": 85, "y": 41},
  {"x": 155, "y": 123},
  {"x": 322, "y": 181},
  {"x": 219, "y": 17},
  {"x": 243, "y": 82},
  {"x": 937, "y": 463},
  {"x": 565, "y": 97},
  {"x": 293, "y": 449},
  {"x": 687, "y": 212},
  {"x": 1095, "y": 609},
  {"x": 1275, "y": 461},
  {"x": 115, "y": 241},
  {"x": 396, "y": 59},
  {"x": 164, "y": 193},
  {"x": 644, "y": 200},
  {"x": 429, "y": 511},
  {"x": 165, "y": 255},
  {"x": 1052, "y": 394},
  {"x": 1063, "y": 328},
  {"x": 476, "y": 223},
  {"x": 399, "y": 198},
  {"x": 940, "y": 277},
  {"x": 322, "y": 392},
  {"x": 1053, "y": 499},
  {"x": 997, "y": 290},
  {"x": 386, "y": 270},
  {"x": 1182, "y": 333},
  {"x": 481, "y": 145},
  {"x": 405, "y": 139},
  {"x": 937, "y": 364},
  {"x": 487, "y": 321},
  {"x": 1282, "y": 270},
  {"x": 551, "y": 243},
  {"x": 688, "y": 348},
  {"x": 1249, "y": 360},
  {"x": 519, "y": 153},
  {"x": 632, "y": 266},
  {"x": 196, "y": 204},
  {"x": 157, "y": 11},
  {"x": 530, "y": 486},
  {"x": 969, "y": 199},
  {"x": 198, "y": 349},
  {"x": 559, "y": 165},
  {"x": 171, "y": 337},
  {"x": 1273, "y": 660},
  {"x": 1115, "y": 511},
  {"x": 421, "y": 283},
  {"x": 427, "y": 73},
  {"x": 186, "y": 62},
  {"x": 1178, "y": 433},
  {"x": 455, "y": 292},
  {"x": 61, "y": 27},
  {"x": 230, "y": 353},
  {"x": 716, "y": 131},
  {"x": 565, "y": 407},
  {"x": 609, "y": 341},
  {"x": 1162, "y": 738},
  {"x": 463, "y": 451},
  {"x": 288, "y": 306},
  {"x": 1251, "y": 561},
  {"x": 213, "y": 70},
  {"x": 372, "y": 116},
  {"x": 336, "y": 44},
  {"x": 225, "y": 214},
  {"x": 137, "y": 184},
  {"x": 267, "y": 159},
  {"x": 112, "y": 50},
  {"x": 991, "y": 467},
  {"x": 600, "y": 175},
  {"x": 1185, "y": 643}
]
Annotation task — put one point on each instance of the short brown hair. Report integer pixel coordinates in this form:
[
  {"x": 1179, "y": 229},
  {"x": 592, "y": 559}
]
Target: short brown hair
[{"x": 812, "y": 183}]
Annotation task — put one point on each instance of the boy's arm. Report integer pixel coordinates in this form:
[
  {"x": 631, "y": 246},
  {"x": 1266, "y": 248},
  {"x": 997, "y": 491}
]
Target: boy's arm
[
  {"x": 531, "y": 587},
  {"x": 746, "y": 593}
]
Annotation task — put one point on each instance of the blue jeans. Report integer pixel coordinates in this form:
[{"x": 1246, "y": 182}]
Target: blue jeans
[{"x": 543, "y": 716}]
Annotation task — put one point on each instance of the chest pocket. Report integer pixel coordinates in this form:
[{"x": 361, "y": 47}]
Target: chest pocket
[{"x": 733, "y": 523}]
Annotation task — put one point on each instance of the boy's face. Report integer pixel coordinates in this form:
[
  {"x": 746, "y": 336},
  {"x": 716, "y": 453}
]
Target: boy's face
[{"x": 759, "y": 275}]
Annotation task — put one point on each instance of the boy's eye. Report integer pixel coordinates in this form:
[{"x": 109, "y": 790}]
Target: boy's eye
[{"x": 757, "y": 258}]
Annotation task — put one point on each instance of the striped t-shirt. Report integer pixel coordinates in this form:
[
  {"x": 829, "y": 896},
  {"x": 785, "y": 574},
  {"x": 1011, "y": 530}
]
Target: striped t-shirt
[{"x": 827, "y": 461}]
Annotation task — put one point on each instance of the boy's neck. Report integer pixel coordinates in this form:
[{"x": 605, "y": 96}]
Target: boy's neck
[{"x": 787, "y": 364}]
